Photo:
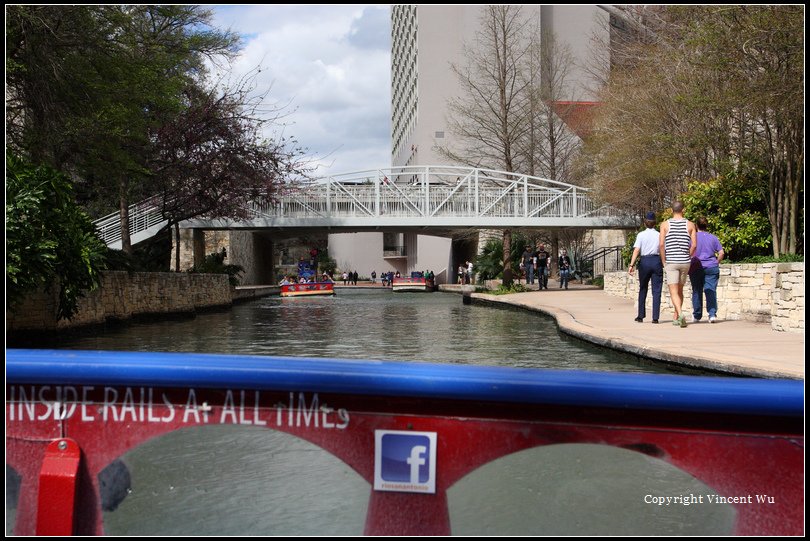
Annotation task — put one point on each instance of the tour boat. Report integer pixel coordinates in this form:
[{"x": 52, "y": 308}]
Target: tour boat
[
  {"x": 414, "y": 283},
  {"x": 137, "y": 443},
  {"x": 308, "y": 289}
]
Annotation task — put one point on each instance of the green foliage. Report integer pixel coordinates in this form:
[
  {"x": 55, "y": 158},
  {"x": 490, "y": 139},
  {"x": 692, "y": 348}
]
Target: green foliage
[
  {"x": 326, "y": 264},
  {"x": 93, "y": 86},
  {"x": 506, "y": 290},
  {"x": 49, "y": 239},
  {"x": 215, "y": 264},
  {"x": 728, "y": 82},
  {"x": 735, "y": 208},
  {"x": 489, "y": 262},
  {"x": 599, "y": 281},
  {"x": 784, "y": 258},
  {"x": 152, "y": 255},
  {"x": 627, "y": 251}
]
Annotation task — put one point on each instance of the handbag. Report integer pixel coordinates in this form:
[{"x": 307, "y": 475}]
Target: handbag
[{"x": 695, "y": 265}]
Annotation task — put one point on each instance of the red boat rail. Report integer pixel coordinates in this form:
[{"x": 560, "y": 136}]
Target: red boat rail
[{"x": 405, "y": 448}]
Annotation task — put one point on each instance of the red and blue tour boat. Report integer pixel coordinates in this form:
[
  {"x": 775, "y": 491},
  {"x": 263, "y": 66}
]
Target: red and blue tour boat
[
  {"x": 416, "y": 282},
  {"x": 307, "y": 286},
  {"x": 307, "y": 289},
  {"x": 391, "y": 448}
]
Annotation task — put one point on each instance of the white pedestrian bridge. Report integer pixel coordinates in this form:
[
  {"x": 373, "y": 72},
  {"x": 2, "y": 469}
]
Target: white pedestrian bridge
[{"x": 430, "y": 199}]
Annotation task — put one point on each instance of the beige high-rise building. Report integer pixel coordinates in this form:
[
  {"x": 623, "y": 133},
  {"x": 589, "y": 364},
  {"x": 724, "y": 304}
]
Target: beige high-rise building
[{"x": 425, "y": 41}]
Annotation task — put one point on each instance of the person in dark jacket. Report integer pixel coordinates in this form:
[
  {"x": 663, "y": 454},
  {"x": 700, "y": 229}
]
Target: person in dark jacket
[{"x": 564, "y": 263}]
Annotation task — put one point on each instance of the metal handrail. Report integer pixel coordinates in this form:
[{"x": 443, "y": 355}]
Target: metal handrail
[
  {"x": 602, "y": 254},
  {"x": 142, "y": 216},
  {"x": 422, "y": 193}
]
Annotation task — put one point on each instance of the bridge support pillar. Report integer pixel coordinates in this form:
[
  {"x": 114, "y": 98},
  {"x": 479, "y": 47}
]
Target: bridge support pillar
[{"x": 198, "y": 246}]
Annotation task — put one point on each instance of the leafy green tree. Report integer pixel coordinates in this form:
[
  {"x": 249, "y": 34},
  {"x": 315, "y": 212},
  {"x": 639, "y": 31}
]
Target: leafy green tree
[
  {"x": 325, "y": 263},
  {"x": 489, "y": 262},
  {"x": 490, "y": 117},
  {"x": 50, "y": 241},
  {"x": 705, "y": 87},
  {"x": 89, "y": 85},
  {"x": 736, "y": 210}
]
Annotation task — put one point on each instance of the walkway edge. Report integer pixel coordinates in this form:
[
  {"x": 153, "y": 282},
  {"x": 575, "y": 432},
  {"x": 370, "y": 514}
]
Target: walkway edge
[{"x": 568, "y": 324}]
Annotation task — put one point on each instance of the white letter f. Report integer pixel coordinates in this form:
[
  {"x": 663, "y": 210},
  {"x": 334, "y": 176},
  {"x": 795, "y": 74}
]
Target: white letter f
[{"x": 416, "y": 460}]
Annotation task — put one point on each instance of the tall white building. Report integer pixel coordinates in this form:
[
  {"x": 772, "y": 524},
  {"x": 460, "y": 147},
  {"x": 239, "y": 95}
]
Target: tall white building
[{"x": 425, "y": 41}]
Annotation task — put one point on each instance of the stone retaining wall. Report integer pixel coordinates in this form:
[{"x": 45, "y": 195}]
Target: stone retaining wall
[
  {"x": 768, "y": 292},
  {"x": 123, "y": 295}
]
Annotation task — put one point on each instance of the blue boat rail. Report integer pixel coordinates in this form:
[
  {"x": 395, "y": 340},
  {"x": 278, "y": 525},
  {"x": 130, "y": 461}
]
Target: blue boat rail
[
  {"x": 411, "y": 448},
  {"x": 387, "y": 378}
]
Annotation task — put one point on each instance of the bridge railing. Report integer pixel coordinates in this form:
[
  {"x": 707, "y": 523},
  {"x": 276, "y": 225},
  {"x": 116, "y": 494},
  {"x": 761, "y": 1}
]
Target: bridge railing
[
  {"x": 413, "y": 192},
  {"x": 433, "y": 191}
]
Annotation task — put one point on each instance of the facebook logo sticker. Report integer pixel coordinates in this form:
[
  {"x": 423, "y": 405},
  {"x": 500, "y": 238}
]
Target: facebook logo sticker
[{"x": 405, "y": 461}]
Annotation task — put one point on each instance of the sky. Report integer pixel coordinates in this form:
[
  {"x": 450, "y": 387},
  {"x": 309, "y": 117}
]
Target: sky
[{"x": 329, "y": 68}]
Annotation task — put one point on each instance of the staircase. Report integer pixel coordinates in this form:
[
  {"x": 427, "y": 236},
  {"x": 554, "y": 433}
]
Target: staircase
[
  {"x": 145, "y": 220},
  {"x": 601, "y": 261}
]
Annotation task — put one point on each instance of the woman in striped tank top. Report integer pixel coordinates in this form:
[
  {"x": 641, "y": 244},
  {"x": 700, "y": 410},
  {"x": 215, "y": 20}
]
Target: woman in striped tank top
[{"x": 677, "y": 242}]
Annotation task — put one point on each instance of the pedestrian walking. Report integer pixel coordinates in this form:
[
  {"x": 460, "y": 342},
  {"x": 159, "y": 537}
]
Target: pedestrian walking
[
  {"x": 542, "y": 258},
  {"x": 677, "y": 241},
  {"x": 527, "y": 261},
  {"x": 704, "y": 279},
  {"x": 647, "y": 260},
  {"x": 564, "y": 263}
]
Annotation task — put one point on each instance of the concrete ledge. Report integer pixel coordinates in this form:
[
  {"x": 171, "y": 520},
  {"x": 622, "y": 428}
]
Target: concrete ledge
[
  {"x": 453, "y": 288},
  {"x": 246, "y": 293}
]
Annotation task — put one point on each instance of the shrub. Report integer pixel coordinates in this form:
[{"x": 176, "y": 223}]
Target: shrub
[
  {"x": 734, "y": 205},
  {"x": 215, "y": 264},
  {"x": 504, "y": 290},
  {"x": 489, "y": 262},
  {"x": 49, "y": 240},
  {"x": 784, "y": 258}
]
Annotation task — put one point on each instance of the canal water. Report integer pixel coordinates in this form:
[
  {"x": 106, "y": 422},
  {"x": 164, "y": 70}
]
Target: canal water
[
  {"x": 239, "y": 480},
  {"x": 370, "y": 324}
]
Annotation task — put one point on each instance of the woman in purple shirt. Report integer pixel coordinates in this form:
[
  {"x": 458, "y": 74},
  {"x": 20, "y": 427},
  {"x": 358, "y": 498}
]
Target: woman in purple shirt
[{"x": 704, "y": 281}]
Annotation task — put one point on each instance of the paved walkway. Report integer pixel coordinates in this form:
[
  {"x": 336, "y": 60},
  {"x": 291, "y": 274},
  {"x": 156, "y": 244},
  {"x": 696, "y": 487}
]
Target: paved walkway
[{"x": 739, "y": 347}]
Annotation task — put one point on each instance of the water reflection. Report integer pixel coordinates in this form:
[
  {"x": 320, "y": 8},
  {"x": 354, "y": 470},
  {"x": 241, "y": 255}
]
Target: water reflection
[
  {"x": 370, "y": 325},
  {"x": 232, "y": 480},
  {"x": 582, "y": 489}
]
